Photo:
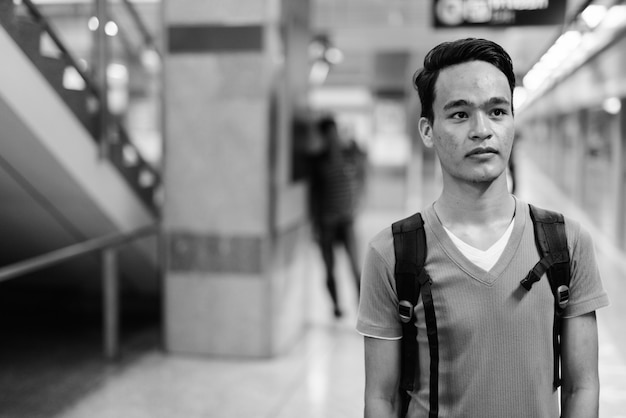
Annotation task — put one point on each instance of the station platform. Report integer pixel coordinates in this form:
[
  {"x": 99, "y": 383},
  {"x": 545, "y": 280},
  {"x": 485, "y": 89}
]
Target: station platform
[{"x": 321, "y": 377}]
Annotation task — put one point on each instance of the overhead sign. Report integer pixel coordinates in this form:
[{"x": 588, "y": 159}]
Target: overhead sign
[{"x": 455, "y": 13}]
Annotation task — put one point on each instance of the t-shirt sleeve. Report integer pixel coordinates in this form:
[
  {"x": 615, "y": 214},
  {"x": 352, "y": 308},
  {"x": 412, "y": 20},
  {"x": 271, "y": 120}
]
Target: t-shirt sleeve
[
  {"x": 586, "y": 291},
  {"x": 378, "y": 306}
]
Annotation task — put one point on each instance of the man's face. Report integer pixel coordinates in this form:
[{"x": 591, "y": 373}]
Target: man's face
[{"x": 473, "y": 127}]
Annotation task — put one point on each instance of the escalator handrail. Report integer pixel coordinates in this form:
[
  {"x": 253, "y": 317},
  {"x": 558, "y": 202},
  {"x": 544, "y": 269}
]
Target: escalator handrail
[
  {"x": 75, "y": 250},
  {"x": 57, "y": 41},
  {"x": 89, "y": 83}
]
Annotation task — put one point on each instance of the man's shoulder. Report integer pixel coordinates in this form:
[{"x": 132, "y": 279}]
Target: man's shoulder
[
  {"x": 382, "y": 240},
  {"x": 573, "y": 226},
  {"x": 575, "y": 231}
]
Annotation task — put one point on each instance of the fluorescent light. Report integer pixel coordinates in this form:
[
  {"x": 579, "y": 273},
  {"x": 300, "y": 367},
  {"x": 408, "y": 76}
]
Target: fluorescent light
[
  {"x": 329, "y": 97},
  {"x": 93, "y": 23},
  {"x": 111, "y": 28},
  {"x": 615, "y": 17},
  {"x": 333, "y": 55},
  {"x": 569, "y": 40},
  {"x": 593, "y": 15}
]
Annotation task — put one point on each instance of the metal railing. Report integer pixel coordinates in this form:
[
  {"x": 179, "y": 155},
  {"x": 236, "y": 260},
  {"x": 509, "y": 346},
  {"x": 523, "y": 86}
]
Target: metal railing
[
  {"x": 65, "y": 53},
  {"x": 107, "y": 246},
  {"x": 111, "y": 134}
]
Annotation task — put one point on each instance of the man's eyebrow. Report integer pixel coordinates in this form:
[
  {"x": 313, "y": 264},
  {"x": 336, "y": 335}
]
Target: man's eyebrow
[
  {"x": 498, "y": 101},
  {"x": 456, "y": 103},
  {"x": 462, "y": 102}
]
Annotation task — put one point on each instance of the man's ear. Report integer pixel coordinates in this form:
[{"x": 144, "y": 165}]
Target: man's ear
[{"x": 426, "y": 132}]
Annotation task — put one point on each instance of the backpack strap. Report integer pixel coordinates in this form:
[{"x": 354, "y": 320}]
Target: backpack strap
[
  {"x": 410, "y": 251},
  {"x": 551, "y": 241}
]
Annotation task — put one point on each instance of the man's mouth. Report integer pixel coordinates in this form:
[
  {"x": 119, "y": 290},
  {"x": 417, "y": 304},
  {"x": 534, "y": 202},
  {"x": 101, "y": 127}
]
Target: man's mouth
[{"x": 480, "y": 151}]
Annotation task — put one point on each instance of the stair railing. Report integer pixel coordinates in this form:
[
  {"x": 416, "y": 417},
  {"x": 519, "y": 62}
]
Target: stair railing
[
  {"x": 107, "y": 246},
  {"x": 135, "y": 39},
  {"x": 129, "y": 20},
  {"x": 34, "y": 11},
  {"x": 99, "y": 69},
  {"x": 112, "y": 138}
]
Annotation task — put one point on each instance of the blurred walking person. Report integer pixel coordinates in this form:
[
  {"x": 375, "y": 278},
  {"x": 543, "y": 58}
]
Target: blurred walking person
[{"x": 337, "y": 179}]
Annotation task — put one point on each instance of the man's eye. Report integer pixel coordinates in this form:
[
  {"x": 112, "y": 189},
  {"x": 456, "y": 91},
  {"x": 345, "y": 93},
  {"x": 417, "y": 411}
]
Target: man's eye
[
  {"x": 499, "y": 112},
  {"x": 459, "y": 115}
]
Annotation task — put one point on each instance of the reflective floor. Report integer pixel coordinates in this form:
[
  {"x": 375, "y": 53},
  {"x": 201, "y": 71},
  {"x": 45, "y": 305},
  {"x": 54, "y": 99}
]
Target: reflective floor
[{"x": 321, "y": 377}]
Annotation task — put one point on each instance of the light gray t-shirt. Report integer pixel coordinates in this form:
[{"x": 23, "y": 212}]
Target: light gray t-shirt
[{"x": 495, "y": 338}]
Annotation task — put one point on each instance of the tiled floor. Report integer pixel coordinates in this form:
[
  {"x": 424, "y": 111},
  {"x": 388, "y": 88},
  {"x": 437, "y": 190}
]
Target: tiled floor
[{"x": 322, "y": 377}]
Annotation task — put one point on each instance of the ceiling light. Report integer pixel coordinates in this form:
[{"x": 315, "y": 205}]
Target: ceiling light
[
  {"x": 111, "y": 28},
  {"x": 319, "y": 72},
  {"x": 612, "y": 105},
  {"x": 333, "y": 55},
  {"x": 615, "y": 17},
  {"x": 593, "y": 15},
  {"x": 93, "y": 23}
]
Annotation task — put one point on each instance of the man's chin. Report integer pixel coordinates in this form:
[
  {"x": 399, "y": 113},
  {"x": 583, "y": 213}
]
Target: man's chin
[{"x": 485, "y": 177}]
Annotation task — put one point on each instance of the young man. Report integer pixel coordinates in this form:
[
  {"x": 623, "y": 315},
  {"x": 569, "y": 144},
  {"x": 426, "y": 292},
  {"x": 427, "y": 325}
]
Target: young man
[{"x": 495, "y": 348}]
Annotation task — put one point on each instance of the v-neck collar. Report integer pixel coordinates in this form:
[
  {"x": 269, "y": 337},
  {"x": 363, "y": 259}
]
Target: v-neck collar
[{"x": 486, "y": 277}]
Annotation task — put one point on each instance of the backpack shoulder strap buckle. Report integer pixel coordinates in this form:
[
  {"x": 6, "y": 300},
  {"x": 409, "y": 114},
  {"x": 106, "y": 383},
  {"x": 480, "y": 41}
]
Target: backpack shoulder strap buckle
[
  {"x": 405, "y": 310},
  {"x": 562, "y": 296}
]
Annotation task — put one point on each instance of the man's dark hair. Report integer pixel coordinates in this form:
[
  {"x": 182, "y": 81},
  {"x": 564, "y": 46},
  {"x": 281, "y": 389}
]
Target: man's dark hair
[{"x": 456, "y": 52}]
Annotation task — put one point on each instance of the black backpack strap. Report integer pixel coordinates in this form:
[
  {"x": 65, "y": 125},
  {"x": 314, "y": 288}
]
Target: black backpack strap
[
  {"x": 551, "y": 241},
  {"x": 433, "y": 343},
  {"x": 410, "y": 251}
]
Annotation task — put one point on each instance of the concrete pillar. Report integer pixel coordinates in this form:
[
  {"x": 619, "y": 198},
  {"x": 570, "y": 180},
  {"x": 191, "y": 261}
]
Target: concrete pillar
[{"x": 234, "y": 222}]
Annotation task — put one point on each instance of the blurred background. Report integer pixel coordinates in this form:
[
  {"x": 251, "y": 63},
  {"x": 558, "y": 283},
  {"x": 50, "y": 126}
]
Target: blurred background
[{"x": 158, "y": 255}]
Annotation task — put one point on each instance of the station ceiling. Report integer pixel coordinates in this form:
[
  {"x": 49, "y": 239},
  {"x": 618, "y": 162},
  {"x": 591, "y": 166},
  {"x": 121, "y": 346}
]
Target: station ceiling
[{"x": 371, "y": 33}]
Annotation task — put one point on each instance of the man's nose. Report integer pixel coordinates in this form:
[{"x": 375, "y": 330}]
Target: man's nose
[{"x": 480, "y": 126}]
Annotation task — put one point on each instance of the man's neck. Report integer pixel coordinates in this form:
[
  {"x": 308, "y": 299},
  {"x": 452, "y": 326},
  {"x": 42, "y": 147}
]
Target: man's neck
[{"x": 478, "y": 215}]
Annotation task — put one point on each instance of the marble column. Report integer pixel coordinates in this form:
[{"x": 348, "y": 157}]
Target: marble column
[{"x": 234, "y": 222}]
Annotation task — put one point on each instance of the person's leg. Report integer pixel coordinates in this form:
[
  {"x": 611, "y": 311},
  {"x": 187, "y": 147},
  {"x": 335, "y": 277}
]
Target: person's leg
[
  {"x": 348, "y": 238},
  {"x": 327, "y": 238}
]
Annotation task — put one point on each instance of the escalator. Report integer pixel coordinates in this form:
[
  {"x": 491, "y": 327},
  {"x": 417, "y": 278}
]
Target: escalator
[{"x": 59, "y": 184}]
